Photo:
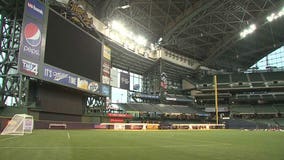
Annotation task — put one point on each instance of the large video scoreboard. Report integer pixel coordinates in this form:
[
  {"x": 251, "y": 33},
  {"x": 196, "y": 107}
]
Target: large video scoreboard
[{"x": 55, "y": 50}]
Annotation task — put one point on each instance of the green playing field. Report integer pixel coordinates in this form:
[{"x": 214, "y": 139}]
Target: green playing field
[{"x": 143, "y": 145}]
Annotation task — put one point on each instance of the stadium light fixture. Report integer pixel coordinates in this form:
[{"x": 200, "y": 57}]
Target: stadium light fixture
[
  {"x": 119, "y": 27},
  {"x": 274, "y": 16},
  {"x": 160, "y": 40},
  {"x": 152, "y": 46},
  {"x": 116, "y": 25},
  {"x": 247, "y": 31},
  {"x": 141, "y": 40},
  {"x": 124, "y": 7}
]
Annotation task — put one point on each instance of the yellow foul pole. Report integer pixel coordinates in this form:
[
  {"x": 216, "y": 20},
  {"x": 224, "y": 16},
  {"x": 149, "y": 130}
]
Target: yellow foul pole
[{"x": 216, "y": 98}]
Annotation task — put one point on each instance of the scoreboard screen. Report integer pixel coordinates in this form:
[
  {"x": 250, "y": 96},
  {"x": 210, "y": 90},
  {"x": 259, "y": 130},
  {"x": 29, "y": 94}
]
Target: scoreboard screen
[{"x": 70, "y": 48}]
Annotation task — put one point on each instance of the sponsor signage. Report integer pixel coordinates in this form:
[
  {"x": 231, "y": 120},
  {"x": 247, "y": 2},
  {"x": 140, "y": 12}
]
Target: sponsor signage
[
  {"x": 164, "y": 82},
  {"x": 106, "y": 65},
  {"x": 63, "y": 77},
  {"x": 35, "y": 9},
  {"x": 93, "y": 87},
  {"x": 146, "y": 96},
  {"x": 118, "y": 115},
  {"x": 124, "y": 80},
  {"x": 220, "y": 109},
  {"x": 31, "y": 53},
  {"x": 31, "y": 40},
  {"x": 29, "y": 124},
  {"x": 107, "y": 53},
  {"x": 106, "y": 68},
  {"x": 116, "y": 120},
  {"x": 106, "y": 73},
  {"x": 105, "y": 90},
  {"x": 105, "y": 80},
  {"x": 59, "y": 76},
  {"x": 88, "y": 85},
  {"x": 28, "y": 67},
  {"x": 114, "y": 78}
]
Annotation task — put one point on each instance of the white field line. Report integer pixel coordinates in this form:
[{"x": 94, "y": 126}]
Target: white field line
[
  {"x": 101, "y": 147},
  {"x": 68, "y": 135},
  {"x": 5, "y": 139}
]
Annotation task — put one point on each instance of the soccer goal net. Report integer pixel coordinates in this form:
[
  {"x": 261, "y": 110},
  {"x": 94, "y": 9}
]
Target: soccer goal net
[{"x": 19, "y": 125}]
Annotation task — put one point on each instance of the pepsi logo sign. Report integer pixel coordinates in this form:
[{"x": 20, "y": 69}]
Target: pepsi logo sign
[{"x": 32, "y": 34}]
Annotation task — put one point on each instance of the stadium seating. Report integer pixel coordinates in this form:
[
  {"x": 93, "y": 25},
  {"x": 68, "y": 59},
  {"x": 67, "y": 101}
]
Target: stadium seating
[
  {"x": 185, "y": 109},
  {"x": 279, "y": 108},
  {"x": 160, "y": 108},
  {"x": 224, "y": 78},
  {"x": 242, "y": 109},
  {"x": 239, "y": 77},
  {"x": 240, "y": 123},
  {"x": 243, "y": 80},
  {"x": 265, "y": 109},
  {"x": 272, "y": 76},
  {"x": 279, "y": 121},
  {"x": 255, "y": 77}
]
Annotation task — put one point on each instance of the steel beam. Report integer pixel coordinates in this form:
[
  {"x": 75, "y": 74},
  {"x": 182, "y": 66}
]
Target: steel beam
[{"x": 187, "y": 17}]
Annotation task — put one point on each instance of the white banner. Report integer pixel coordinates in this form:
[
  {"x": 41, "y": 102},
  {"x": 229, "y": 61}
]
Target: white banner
[{"x": 114, "y": 77}]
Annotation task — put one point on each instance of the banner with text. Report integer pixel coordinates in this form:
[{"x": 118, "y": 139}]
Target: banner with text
[
  {"x": 124, "y": 80},
  {"x": 32, "y": 38},
  {"x": 106, "y": 65}
]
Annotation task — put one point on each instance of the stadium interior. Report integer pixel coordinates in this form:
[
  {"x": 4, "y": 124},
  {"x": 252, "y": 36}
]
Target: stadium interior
[{"x": 168, "y": 63}]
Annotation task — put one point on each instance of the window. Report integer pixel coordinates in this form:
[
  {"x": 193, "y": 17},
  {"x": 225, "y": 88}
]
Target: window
[{"x": 272, "y": 60}]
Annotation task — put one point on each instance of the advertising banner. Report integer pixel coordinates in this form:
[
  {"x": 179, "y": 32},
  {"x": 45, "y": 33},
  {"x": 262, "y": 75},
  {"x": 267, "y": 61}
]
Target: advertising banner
[
  {"x": 106, "y": 65},
  {"x": 31, "y": 38},
  {"x": 116, "y": 120},
  {"x": 105, "y": 90},
  {"x": 106, "y": 73},
  {"x": 106, "y": 68},
  {"x": 107, "y": 53},
  {"x": 28, "y": 67},
  {"x": 114, "y": 78},
  {"x": 164, "y": 82},
  {"x": 124, "y": 80},
  {"x": 59, "y": 76},
  {"x": 118, "y": 115},
  {"x": 88, "y": 85},
  {"x": 35, "y": 9}
]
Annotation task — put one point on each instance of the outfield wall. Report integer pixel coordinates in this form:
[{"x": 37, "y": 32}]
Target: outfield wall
[{"x": 44, "y": 124}]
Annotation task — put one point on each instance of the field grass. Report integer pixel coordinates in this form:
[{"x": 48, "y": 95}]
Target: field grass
[{"x": 143, "y": 145}]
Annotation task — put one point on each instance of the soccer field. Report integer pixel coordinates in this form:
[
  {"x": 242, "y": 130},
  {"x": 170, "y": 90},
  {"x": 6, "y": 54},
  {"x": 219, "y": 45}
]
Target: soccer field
[{"x": 143, "y": 145}]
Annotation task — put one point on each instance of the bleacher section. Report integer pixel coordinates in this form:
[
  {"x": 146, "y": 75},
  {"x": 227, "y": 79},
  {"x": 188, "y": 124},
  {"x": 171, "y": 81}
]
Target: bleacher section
[
  {"x": 240, "y": 123},
  {"x": 272, "y": 76},
  {"x": 242, "y": 109},
  {"x": 178, "y": 98},
  {"x": 224, "y": 78},
  {"x": 279, "y": 108},
  {"x": 255, "y": 77},
  {"x": 239, "y": 77},
  {"x": 243, "y": 80},
  {"x": 265, "y": 109},
  {"x": 160, "y": 108},
  {"x": 279, "y": 121},
  {"x": 257, "y": 80},
  {"x": 270, "y": 123},
  {"x": 237, "y": 109}
]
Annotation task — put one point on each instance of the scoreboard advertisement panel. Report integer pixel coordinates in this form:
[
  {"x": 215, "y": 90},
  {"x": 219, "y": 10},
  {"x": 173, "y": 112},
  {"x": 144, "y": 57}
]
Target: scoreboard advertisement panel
[{"x": 55, "y": 50}]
